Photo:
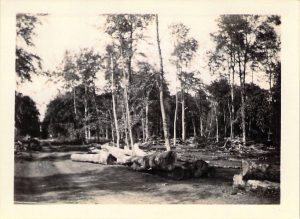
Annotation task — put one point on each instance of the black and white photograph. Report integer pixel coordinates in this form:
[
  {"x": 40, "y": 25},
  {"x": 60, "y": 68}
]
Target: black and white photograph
[{"x": 148, "y": 108}]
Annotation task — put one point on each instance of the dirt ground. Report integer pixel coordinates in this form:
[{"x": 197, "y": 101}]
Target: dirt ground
[{"x": 51, "y": 177}]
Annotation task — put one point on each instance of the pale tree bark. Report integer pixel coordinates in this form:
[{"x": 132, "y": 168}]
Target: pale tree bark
[
  {"x": 194, "y": 127},
  {"x": 114, "y": 102},
  {"x": 217, "y": 122},
  {"x": 176, "y": 108},
  {"x": 201, "y": 125},
  {"x": 75, "y": 112},
  {"x": 224, "y": 117},
  {"x": 161, "y": 94},
  {"x": 182, "y": 114},
  {"x": 175, "y": 118},
  {"x": 242, "y": 84},
  {"x": 128, "y": 116},
  {"x": 125, "y": 126},
  {"x": 147, "y": 117},
  {"x": 232, "y": 67},
  {"x": 112, "y": 128},
  {"x": 143, "y": 127},
  {"x": 126, "y": 99},
  {"x": 86, "y": 135}
]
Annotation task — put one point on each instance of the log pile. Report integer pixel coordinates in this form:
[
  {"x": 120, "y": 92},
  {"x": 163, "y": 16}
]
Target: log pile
[
  {"x": 257, "y": 177},
  {"x": 164, "y": 164}
]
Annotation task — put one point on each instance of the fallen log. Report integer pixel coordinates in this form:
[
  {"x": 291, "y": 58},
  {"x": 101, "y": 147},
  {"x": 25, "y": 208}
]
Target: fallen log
[
  {"x": 255, "y": 171},
  {"x": 257, "y": 186},
  {"x": 187, "y": 169},
  {"x": 262, "y": 186},
  {"x": 165, "y": 164},
  {"x": 136, "y": 151},
  {"x": 102, "y": 157},
  {"x": 122, "y": 155},
  {"x": 157, "y": 161}
]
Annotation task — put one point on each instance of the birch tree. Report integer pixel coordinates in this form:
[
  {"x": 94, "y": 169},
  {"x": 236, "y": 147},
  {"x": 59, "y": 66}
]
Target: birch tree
[
  {"x": 161, "y": 89},
  {"x": 184, "y": 51},
  {"x": 236, "y": 37},
  {"x": 126, "y": 30}
]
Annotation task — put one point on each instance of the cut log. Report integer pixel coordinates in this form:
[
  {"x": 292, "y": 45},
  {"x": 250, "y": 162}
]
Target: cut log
[
  {"x": 262, "y": 186},
  {"x": 102, "y": 158},
  {"x": 255, "y": 185},
  {"x": 183, "y": 170},
  {"x": 157, "y": 161},
  {"x": 136, "y": 151},
  {"x": 122, "y": 155},
  {"x": 252, "y": 170},
  {"x": 178, "y": 173}
]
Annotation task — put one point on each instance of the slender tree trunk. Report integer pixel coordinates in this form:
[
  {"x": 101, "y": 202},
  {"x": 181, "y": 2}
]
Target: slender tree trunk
[
  {"x": 242, "y": 84},
  {"x": 232, "y": 106},
  {"x": 224, "y": 116},
  {"x": 74, "y": 103},
  {"x": 243, "y": 116},
  {"x": 85, "y": 114},
  {"x": 114, "y": 102},
  {"x": 175, "y": 118},
  {"x": 126, "y": 99},
  {"x": 143, "y": 128},
  {"x": 89, "y": 133},
  {"x": 210, "y": 124},
  {"x": 231, "y": 121},
  {"x": 161, "y": 93},
  {"x": 194, "y": 127},
  {"x": 182, "y": 114},
  {"x": 125, "y": 126},
  {"x": 106, "y": 132},
  {"x": 147, "y": 118},
  {"x": 201, "y": 126},
  {"x": 112, "y": 128},
  {"x": 75, "y": 112},
  {"x": 128, "y": 116},
  {"x": 217, "y": 123}
]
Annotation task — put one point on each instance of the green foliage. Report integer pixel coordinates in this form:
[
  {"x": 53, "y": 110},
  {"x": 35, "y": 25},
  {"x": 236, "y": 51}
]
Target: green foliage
[
  {"x": 258, "y": 111},
  {"x": 26, "y": 116},
  {"x": 26, "y": 61},
  {"x": 58, "y": 117}
]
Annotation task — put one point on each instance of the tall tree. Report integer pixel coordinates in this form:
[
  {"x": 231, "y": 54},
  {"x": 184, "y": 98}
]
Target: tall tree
[
  {"x": 113, "y": 77},
  {"x": 161, "y": 90},
  {"x": 240, "y": 41},
  {"x": 88, "y": 64},
  {"x": 67, "y": 73},
  {"x": 268, "y": 45},
  {"x": 184, "y": 51},
  {"x": 126, "y": 29}
]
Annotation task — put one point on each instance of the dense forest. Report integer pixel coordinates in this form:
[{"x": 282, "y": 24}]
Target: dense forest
[{"x": 136, "y": 104}]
